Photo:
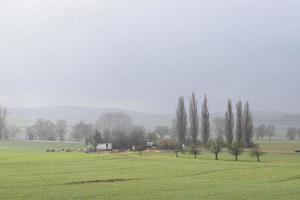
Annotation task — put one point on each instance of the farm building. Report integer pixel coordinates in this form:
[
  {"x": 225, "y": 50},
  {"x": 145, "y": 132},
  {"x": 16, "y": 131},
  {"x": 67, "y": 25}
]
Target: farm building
[
  {"x": 149, "y": 144},
  {"x": 104, "y": 147}
]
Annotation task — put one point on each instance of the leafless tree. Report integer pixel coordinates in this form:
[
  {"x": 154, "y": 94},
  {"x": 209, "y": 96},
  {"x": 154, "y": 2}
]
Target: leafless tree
[
  {"x": 229, "y": 124},
  {"x": 271, "y": 131},
  {"x": 137, "y": 138},
  {"x": 61, "y": 129},
  {"x": 291, "y": 133},
  {"x": 114, "y": 121},
  {"x": 256, "y": 152},
  {"x": 205, "y": 124},
  {"x": 235, "y": 149},
  {"x": 31, "y": 133},
  {"x": 3, "y": 121},
  {"x": 194, "y": 119},
  {"x": 181, "y": 121},
  {"x": 216, "y": 146},
  {"x": 13, "y": 131},
  {"x": 82, "y": 131},
  {"x": 239, "y": 123},
  {"x": 107, "y": 136},
  {"x": 42, "y": 130},
  {"x": 247, "y": 126},
  {"x": 261, "y": 131},
  {"x": 195, "y": 150},
  {"x": 97, "y": 139}
]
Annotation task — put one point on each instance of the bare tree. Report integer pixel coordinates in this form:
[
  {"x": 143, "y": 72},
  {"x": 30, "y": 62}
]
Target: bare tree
[
  {"x": 31, "y": 133},
  {"x": 137, "y": 139},
  {"x": 82, "y": 131},
  {"x": 235, "y": 149},
  {"x": 216, "y": 146},
  {"x": 194, "y": 119},
  {"x": 61, "y": 129},
  {"x": 114, "y": 121},
  {"x": 256, "y": 152},
  {"x": 291, "y": 133},
  {"x": 13, "y": 131},
  {"x": 205, "y": 125},
  {"x": 107, "y": 136},
  {"x": 247, "y": 126},
  {"x": 115, "y": 127},
  {"x": 181, "y": 121},
  {"x": 195, "y": 150},
  {"x": 271, "y": 131},
  {"x": 229, "y": 124},
  {"x": 239, "y": 123},
  {"x": 42, "y": 130},
  {"x": 261, "y": 131},
  {"x": 3, "y": 121},
  {"x": 97, "y": 139}
]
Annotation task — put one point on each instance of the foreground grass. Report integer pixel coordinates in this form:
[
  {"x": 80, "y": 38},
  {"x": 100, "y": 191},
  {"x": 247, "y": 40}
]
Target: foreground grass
[{"x": 28, "y": 172}]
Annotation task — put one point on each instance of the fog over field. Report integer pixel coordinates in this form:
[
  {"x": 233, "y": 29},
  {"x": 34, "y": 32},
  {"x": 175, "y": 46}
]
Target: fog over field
[
  {"x": 150, "y": 99},
  {"x": 141, "y": 55},
  {"x": 28, "y": 115}
]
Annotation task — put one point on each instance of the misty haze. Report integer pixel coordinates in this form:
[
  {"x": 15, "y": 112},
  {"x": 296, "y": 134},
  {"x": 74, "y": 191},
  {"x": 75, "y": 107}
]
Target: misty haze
[{"x": 139, "y": 99}]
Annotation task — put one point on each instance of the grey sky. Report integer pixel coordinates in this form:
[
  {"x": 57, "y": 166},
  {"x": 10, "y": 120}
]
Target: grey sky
[{"x": 141, "y": 55}]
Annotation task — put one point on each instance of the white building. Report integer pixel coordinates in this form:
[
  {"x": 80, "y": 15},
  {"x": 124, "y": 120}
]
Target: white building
[
  {"x": 104, "y": 147},
  {"x": 149, "y": 144}
]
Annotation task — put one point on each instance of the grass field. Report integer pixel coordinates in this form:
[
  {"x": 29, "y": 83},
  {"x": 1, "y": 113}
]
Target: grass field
[{"x": 27, "y": 171}]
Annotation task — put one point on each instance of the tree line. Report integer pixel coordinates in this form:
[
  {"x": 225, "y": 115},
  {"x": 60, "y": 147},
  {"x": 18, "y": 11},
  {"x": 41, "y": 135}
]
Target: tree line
[
  {"x": 7, "y": 131},
  {"x": 47, "y": 130},
  {"x": 263, "y": 130},
  {"x": 292, "y": 133},
  {"x": 116, "y": 128},
  {"x": 113, "y": 127},
  {"x": 238, "y": 128},
  {"x": 238, "y": 133}
]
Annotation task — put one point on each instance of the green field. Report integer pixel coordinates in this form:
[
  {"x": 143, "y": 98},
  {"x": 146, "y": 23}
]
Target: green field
[{"x": 27, "y": 171}]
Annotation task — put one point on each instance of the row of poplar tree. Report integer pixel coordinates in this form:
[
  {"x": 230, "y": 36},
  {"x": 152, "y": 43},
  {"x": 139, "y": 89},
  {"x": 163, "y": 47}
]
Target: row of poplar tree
[{"x": 238, "y": 126}]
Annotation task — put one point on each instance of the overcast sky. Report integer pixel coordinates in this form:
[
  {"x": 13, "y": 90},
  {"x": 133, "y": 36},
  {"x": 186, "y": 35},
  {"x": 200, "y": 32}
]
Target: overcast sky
[{"x": 142, "y": 54}]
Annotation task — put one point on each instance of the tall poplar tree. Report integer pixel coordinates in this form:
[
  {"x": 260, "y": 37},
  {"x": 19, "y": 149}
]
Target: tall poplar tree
[
  {"x": 205, "y": 125},
  {"x": 247, "y": 126},
  {"x": 181, "y": 121},
  {"x": 229, "y": 124},
  {"x": 194, "y": 119},
  {"x": 239, "y": 123}
]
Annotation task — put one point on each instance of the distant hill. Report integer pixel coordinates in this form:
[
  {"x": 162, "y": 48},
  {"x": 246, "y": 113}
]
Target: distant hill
[{"x": 26, "y": 116}]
